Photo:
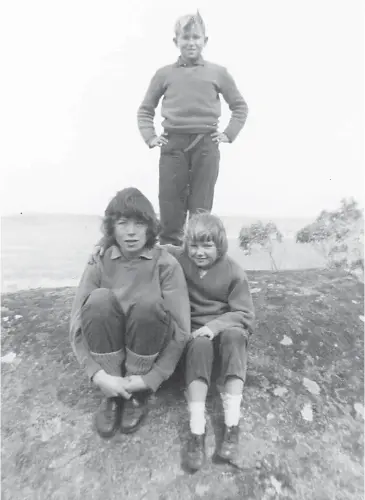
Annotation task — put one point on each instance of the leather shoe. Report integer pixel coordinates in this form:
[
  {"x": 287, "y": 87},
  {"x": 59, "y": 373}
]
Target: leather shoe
[
  {"x": 229, "y": 446},
  {"x": 107, "y": 418},
  {"x": 195, "y": 456},
  {"x": 134, "y": 412}
]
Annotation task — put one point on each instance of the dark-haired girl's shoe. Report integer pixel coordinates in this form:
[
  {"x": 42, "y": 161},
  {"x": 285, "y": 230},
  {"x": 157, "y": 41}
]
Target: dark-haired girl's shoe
[
  {"x": 108, "y": 417},
  {"x": 135, "y": 411}
]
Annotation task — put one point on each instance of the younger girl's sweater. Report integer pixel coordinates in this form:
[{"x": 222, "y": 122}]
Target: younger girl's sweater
[{"x": 221, "y": 299}]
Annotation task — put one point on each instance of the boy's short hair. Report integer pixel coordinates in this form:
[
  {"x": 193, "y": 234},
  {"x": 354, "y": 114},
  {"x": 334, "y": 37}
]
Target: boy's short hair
[
  {"x": 184, "y": 23},
  {"x": 131, "y": 203},
  {"x": 204, "y": 227}
]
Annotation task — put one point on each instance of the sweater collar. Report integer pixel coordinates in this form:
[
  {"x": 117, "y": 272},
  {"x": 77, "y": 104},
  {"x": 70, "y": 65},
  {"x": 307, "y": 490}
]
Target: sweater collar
[
  {"x": 116, "y": 254},
  {"x": 199, "y": 62}
]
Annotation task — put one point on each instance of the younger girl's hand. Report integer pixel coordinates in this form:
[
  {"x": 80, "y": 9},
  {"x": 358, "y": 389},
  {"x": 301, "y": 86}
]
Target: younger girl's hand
[
  {"x": 204, "y": 331},
  {"x": 98, "y": 251}
]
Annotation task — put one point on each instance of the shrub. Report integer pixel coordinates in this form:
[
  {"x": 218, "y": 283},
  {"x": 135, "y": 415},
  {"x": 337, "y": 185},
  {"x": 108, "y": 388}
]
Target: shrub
[
  {"x": 260, "y": 236},
  {"x": 338, "y": 235}
]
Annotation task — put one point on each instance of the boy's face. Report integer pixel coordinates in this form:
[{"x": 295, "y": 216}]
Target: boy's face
[
  {"x": 191, "y": 43},
  {"x": 203, "y": 254},
  {"x": 131, "y": 236}
]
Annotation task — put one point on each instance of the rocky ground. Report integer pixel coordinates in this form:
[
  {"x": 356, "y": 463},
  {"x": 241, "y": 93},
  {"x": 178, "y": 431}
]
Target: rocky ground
[{"x": 302, "y": 412}]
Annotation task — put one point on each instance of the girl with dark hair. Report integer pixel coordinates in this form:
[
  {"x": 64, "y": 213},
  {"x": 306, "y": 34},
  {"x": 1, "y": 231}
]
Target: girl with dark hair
[{"x": 130, "y": 318}]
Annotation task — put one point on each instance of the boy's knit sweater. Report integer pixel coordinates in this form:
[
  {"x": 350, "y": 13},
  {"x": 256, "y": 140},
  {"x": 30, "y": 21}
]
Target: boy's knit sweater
[
  {"x": 221, "y": 299},
  {"x": 191, "y": 102}
]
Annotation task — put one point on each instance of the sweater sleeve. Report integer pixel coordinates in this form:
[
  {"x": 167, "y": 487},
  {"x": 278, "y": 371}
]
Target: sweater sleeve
[
  {"x": 146, "y": 111},
  {"x": 236, "y": 103},
  {"x": 90, "y": 280},
  {"x": 174, "y": 250},
  {"x": 176, "y": 300},
  {"x": 241, "y": 310}
]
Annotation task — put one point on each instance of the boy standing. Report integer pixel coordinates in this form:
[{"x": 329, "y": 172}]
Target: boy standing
[{"x": 189, "y": 161}]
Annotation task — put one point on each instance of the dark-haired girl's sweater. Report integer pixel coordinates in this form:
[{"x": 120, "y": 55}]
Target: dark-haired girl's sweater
[{"x": 153, "y": 272}]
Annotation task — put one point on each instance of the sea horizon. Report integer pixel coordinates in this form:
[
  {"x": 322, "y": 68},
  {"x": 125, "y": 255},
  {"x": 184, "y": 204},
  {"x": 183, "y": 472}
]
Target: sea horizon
[
  {"x": 286, "y": 224},
  {"x": 51, "y": 249}
]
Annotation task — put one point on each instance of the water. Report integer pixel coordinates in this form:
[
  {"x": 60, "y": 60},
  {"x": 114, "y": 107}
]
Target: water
[{"x": 52, "y": 250}]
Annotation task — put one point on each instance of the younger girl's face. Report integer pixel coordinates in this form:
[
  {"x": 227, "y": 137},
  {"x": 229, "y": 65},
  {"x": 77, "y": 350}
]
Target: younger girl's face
[{"x": 203, "y": 253}]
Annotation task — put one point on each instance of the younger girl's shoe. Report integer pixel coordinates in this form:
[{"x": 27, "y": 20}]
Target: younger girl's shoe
[
  {"x": 229, "y": 447},
  {"x": 195, "y": 455}
]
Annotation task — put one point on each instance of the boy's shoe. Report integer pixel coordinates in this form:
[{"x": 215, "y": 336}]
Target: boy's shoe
[
  {"x": 134, "y": 412},
  {"x": 229, "y": 447},
  {"x": 195, "y": 455},
  {"x": 108, "y": 417}
]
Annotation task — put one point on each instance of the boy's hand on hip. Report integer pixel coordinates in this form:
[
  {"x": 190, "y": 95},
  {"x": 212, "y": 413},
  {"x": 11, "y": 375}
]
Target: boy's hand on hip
[
  {"x": 219, "y": 137},
  {"x": 158, "y": 141},
  {"x": 204, "y": 331}
]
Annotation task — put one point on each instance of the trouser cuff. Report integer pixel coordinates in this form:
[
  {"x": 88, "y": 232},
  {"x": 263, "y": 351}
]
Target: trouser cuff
[
  {"x": 138, "y": 364},
  {"x": 110, "y": 362}
]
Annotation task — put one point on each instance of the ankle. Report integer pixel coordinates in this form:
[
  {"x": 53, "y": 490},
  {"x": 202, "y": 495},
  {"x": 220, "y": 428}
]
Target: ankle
[
  {"x": 232, "y": 409},
  {"x": 197, "y": 417}
]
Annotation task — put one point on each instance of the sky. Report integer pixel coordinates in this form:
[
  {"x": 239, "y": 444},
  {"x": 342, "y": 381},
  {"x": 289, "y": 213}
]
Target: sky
[{"x": 76, "y": 72}]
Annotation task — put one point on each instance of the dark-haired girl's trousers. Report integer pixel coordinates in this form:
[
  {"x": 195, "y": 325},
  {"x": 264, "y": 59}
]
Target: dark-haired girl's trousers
[
  {"x": 230, "y": 347},
  {"x": 124, "y": 342},
  {"x": 186, "y": 182}
]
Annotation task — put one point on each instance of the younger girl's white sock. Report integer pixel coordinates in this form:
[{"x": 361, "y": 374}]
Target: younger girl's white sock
[
  {"x": 232, "y": 408},
  {"x": 197, "y": 417}
]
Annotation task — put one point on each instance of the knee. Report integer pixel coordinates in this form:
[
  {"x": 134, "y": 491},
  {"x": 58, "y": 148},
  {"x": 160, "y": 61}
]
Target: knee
[
  {"x": 200, "y": 346},
  {"x": 100, "y": 300},
  {"x": 146, "y": 309},
  {"x": 234, "y": 337},
  {"x": 199, "y": 360}
]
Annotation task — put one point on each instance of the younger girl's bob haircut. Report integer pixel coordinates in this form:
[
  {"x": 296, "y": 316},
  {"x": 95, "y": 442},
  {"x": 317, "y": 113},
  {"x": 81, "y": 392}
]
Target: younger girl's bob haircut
[
  {"x": 205, "y": 227},
  {"x": 131, "y": 204}
]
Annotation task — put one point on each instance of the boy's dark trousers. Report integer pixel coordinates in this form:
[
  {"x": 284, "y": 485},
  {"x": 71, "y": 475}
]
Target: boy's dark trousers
[{"x": 189, "y": 166}]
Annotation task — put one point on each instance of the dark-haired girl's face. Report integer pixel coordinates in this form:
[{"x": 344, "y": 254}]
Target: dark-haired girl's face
[
  {"x": 203, "y": 253},
  {"x": 131, "y": 236}
]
